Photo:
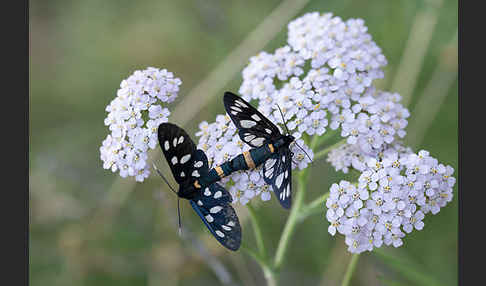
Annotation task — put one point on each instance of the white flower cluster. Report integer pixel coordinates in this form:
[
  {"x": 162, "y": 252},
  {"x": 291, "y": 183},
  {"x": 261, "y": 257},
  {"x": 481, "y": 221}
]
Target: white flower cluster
[
  {"x": 393, "y": 194},
  {"x": 347, "y": 156},
  {"x": 320, "y": 78},
  {"x": 221, "y": 142},
  {"x": 133, "y": 118}
]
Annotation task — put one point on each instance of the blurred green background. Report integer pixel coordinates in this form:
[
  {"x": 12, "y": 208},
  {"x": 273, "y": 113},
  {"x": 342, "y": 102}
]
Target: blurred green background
[{"x": 89, "y": 227}]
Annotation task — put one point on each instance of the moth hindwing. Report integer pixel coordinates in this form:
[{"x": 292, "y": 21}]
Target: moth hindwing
[
  {"x": 213, "y": 205},
  {"x": 277, "y": 172}
]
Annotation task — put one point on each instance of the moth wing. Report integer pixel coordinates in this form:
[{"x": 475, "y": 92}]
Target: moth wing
[
  {"x": 213, "y": 205},
  {"x": 179, "y": 150},
  {"x": 277, "y": 172},
  {"x": 254, "y": 128}
]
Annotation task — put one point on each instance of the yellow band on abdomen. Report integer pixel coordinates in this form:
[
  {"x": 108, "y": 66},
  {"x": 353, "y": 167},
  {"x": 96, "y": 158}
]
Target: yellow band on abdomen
[
  {"x": 270, "y": 146},
  {"x": 249, "y": 160},
  {"x": 220, "y": 171}
]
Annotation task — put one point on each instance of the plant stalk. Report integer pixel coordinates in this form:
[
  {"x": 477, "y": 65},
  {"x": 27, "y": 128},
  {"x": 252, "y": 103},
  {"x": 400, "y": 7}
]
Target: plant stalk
[
  {"x": 258, "y": 231},
  {"x": 291, "y": 223},
  {"x": 351, "y": 268}
]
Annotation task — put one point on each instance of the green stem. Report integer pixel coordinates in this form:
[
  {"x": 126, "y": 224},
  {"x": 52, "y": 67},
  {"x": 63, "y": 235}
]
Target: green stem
[
  {"x": 258, "y": 231},
  {"x": 291, "y": 221},
  {"x": 319, "y": 140},
  {"x": 297, "y": 214},
  {"x": 324, "y": 151},
  {"x": 270, "y": 276},
  {"x": 313, "y": 207},
  {"x": 350, "y": 270},
  {"x": 268, "y": 271}
]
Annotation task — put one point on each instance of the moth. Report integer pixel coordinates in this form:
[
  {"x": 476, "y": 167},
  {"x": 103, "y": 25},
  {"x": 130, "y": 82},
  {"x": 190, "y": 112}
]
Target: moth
[
  {"x": 199, "y": 185},
  {"x": 270, "y": 147},
  {"x": 210, "y": 201}
]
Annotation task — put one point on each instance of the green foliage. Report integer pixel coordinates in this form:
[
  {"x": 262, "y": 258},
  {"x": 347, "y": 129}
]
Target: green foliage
[{"x": 411, "y": 271}]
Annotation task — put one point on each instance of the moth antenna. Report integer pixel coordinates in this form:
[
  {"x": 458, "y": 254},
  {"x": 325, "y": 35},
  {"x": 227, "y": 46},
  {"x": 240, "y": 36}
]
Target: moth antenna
[
  {"x": 304, "y": 152},
  {"x": 162, "y": 176},
  {"x": 179, "y": 216},
  {"x": 283, "y": 119}
]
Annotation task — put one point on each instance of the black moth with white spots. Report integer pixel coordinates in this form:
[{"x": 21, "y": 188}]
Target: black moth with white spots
[
  {"x": 256, "y": 130},
  {"x": 212, "y": 202}
]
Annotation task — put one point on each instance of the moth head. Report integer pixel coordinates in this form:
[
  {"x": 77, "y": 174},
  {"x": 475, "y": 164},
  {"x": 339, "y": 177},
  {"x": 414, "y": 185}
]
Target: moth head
[{"x": 289, "y": 139}]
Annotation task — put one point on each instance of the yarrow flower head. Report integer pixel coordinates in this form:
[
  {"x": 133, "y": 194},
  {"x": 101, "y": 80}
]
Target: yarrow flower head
[
  {"x": 133, "y": 118},
  {"x": 323, "y": 79},
  {"x": 221, "y": 142},
  {"x": 395, "y": 191}
]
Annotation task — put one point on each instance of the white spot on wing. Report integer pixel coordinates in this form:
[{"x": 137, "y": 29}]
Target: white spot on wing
[
  {"x": 258, "y": 141},
  {"x": 240, "y": 103},
  {"x": 174, "y": 142},
  {"x": 231, "y": 223},
  {"x": 235, "y": 108},
  {"x": 198, "y": 164},
  {"x": 225, "y": 227},
  {"x": 209, "y": 218},
  {"x": 185, "y": 158},
  {"x": 279, "y": 180},
  {"x": 215, "y": 209},
  {"x": 181, "y": 139},
  {"x": 166, "y": 145},
  {"x": 218, "y": 194},
  {"x": 183, "y": 174},
  {"x": 269, "y": 174},
  {"x": 174, "y": 160},
  {"x": 219, "y": 233},
  {"x": 247, "y": 123},
  {"x": 268, "y": 131},
  {"x": 207, "y": 192},
  {"x": 256, "y": 117},
  {"x": 249, "y": 138},
  {"x": 199, "y": 203},
  {"x": 195, "y": 174},
  {"x": 269, "y": 163}
]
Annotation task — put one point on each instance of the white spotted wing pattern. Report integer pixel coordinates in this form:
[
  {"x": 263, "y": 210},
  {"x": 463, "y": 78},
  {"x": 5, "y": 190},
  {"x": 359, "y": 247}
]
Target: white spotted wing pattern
[
  {"x": 253, "y": 127},
  {"x": 178, "y": 149},
  {"x": 212, "y": 203},
  {"x": 277, "y": 172}
]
